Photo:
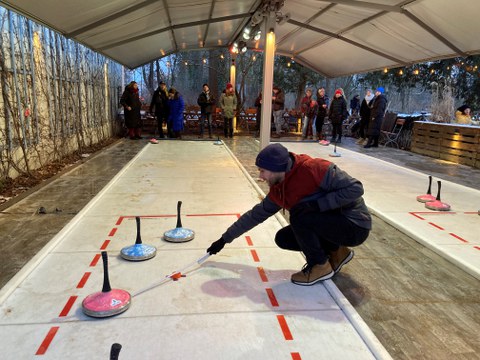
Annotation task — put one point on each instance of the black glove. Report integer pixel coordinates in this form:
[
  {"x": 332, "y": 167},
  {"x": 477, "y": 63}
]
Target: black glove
[
  {"x": 216, "y": 246},
  {"x": 304, "y": 208}
]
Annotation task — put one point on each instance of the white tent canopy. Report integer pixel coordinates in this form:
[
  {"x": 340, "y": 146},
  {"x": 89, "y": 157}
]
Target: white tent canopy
[{"x": 334, "y": 38}]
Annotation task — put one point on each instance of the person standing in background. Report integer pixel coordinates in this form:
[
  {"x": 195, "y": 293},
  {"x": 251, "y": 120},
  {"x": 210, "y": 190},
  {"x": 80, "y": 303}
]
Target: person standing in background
[
  {"x": 132, "y": 105},
  {"x": 206, "y": 101},
  {"x": 379, "y": 107},
  {"x": 365, "y": 109},
  {"x": 228, "y": 103},
  {"x": 278, "y": 105},
  {"x": 160, "y": 103}
]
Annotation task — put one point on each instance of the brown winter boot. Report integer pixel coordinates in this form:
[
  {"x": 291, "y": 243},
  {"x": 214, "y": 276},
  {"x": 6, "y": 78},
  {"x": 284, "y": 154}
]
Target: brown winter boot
[
  {"x": 311, "y": 274},
  {"x": 340, "y": 257}
]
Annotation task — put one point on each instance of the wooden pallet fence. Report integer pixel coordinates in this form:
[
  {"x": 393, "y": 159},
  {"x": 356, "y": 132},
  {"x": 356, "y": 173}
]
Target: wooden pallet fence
[{"x": 452, "y": 142}]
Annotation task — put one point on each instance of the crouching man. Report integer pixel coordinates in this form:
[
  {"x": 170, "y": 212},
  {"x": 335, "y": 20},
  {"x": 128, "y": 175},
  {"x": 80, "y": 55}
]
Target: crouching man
[{"x": 327, "y": 211}]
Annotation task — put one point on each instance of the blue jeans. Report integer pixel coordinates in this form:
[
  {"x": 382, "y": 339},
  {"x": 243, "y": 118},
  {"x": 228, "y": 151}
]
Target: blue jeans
[
  {"x": 306, "y": 121},
  {"x": 208, "y": 117}
]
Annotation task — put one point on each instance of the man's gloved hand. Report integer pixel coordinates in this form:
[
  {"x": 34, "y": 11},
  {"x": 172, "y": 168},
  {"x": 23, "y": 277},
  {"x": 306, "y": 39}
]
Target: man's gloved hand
[
  {"x": 216, "y": 246},
  {"x": 304, "y": 208}
]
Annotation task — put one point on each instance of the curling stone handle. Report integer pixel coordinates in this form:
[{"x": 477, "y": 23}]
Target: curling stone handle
[
  {"x": 106, "y": 280},
  {"x": 139, "y": 239},
  {"x": 179, "y": 220},
  {"x": 115, "y": 351},
  {"x": 429, "y": 191},
  {"x": 439, "y": 188}
]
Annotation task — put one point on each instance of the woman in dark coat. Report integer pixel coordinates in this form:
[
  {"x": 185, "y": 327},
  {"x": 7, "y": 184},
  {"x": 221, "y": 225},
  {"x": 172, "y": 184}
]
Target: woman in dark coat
[
  {"x": 365, "y": 111},
  {"x": 377, "y": 114},
  {"x": 132, "y": 105},
  {"x": 176, "y": 105},
  {"x": 337, "y": 113}
]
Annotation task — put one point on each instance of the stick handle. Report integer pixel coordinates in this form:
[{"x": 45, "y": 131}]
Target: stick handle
[
  {"x": 439, "y": 188},
  {"x": 429, "y": 191},
  {"x": 115, "y": 351},
  {"x": 106, "y": 280},
  {"x": 179, "y": 221},
  {"x": 139, "y": 239}
]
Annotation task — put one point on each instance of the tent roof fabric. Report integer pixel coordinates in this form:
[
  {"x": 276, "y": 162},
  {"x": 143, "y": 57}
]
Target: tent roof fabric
[{"x": 334, "y": 38}]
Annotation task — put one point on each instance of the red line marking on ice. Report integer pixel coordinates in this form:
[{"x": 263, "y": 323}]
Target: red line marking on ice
[
  {"x": 415, "y": 214},
  {"x": 471, "y": 212},
  {"x": 112, "y": 232},
  {"x": 48, "y": 339},
  {"x": 95, "y": 260},
  {"x": 255, "y": 256},
  {"x": 249, "y": 240},
  {"x": 83, "y": 280},
  {"x": 477, "y": 247},
  {"x": 223, "y": 214},
  {"x": 105, "y": 244},
  {"x": 438, "y": 227},
  {"x": 119, "y": 221},
  {"x": 68, "y": 306},
  {"x": 284, "y": 326},
  {"x": 271, "y": 296},
  {"x": 296, "y": 356},
  {"x": 433, "y": 212},
  {"x": 458, "y": 237},
  {"x": 262, "y": 274}
]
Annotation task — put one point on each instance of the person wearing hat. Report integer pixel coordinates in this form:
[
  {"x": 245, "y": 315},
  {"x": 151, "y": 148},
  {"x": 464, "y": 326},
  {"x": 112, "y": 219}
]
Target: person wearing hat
[
  {"x": 206, "y": 101},
  {"x": 379, "y": 107},
  {"x": 463, "y": 115},
  {"x": 327, "y": 211},
  {"x": 337, "y": 113},
  {"x": 160, "y": 104},
  {"x": 228, "y": 103},
  {"x": 130, "y": 100},
  {"x": 176, "y": 105}
]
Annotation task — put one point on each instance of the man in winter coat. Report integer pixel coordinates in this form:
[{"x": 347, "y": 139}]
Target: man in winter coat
[
  {"x": 323, "y": 102},
  {"x": 160, "y": 104},
  {"x": 132, "y": 106},
  {"x": 327, "y": 212},
  {"x": 206, "y": 101},
  {"x": 377, "y": 114},
  {"x": 337, "y": 113}
]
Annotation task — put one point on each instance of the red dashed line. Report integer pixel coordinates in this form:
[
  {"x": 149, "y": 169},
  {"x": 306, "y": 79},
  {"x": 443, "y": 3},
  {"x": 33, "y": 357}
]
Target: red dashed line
[
  {"x": 249, "y": 240},
  {"x": 95, "y": 260},
  {"x": 435, "y": 225},
  {"x": 458, "y": 237},
  {"x": 262, "y": 274},
  {"x": 284, "y": 326},
  {"x": 477, "y": 247},
  {"x": 255, "y": 256},
  {"x": 48, "y": 339},
  {"x": 414, "y": 214},
  {"x": 83, "y": 280},
  {"x": 68, "y": 306},
  {"x": 112, "y": 232},
  {"x": 105, "y": 244},
  {"x": 296, "y": 356},
  {"x": 271, "y": 296},
  {"x": 119, "y": 221}
]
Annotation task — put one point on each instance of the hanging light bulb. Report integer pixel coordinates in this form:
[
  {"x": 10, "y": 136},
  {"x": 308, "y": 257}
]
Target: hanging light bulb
[
  {"x": 400, "y": 72},
  {"x": 416, "y": 72},
  {"x": 258, "y": 35},
  {"x": 385, "y": 70},
  {"x": 246, "y": 33}
]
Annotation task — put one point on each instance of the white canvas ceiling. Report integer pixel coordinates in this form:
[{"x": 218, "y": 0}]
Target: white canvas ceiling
[{"x": 333, "y": 38}]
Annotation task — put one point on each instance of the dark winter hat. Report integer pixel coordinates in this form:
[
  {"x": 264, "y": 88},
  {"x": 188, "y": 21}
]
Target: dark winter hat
[
  {"x": 162, "y": 83},
  {"x": 274, "y": 158},
  {"x": 380, "y": 89},
  {"x": 204, "y": 85}
]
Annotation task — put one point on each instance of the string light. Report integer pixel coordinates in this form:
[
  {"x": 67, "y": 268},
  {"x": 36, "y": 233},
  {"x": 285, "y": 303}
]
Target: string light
[
  {"x": 400, "y": 72},
  {"x": 385, "y": 70},
  {"x": 416, "y": 72}
]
